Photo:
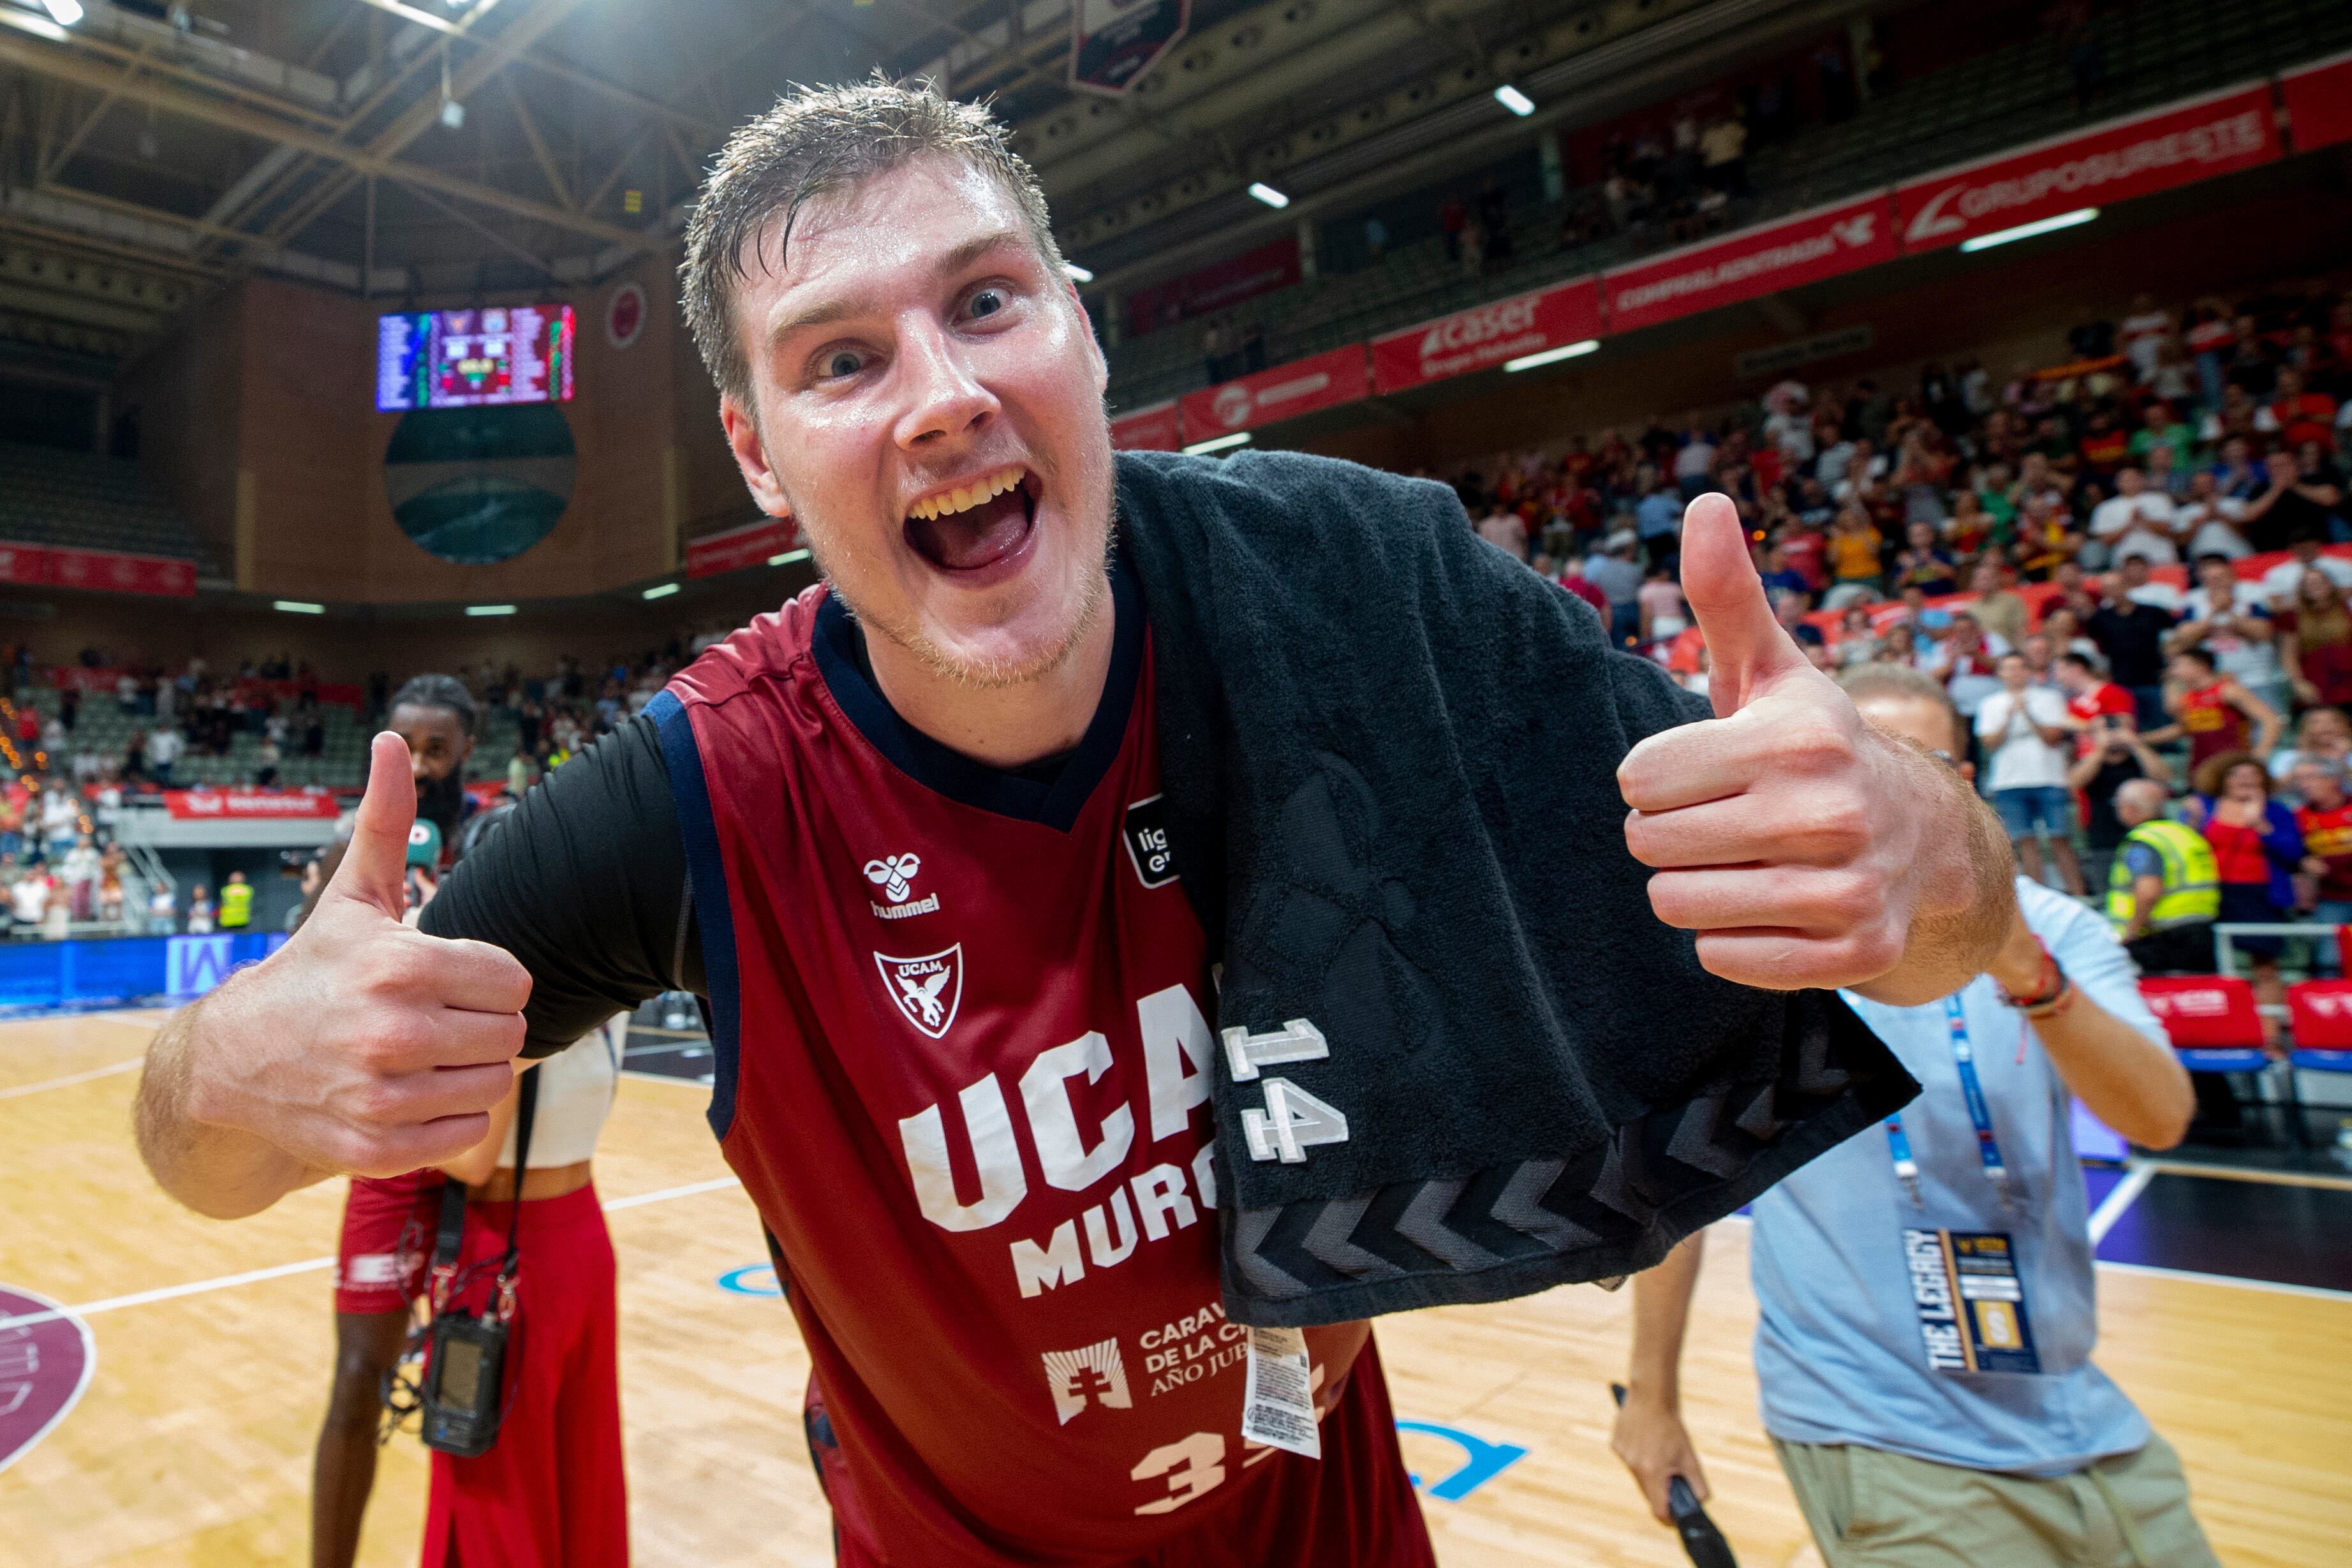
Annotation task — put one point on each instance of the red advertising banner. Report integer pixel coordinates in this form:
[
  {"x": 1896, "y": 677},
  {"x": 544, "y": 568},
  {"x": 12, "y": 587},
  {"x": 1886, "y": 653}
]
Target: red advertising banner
[
  {"x": 1283, "y": 393},
  {"x": 1798, "y": 250},
  {"x": 2319, "y": 103},
  {"x": 2137, "y": 157},
  {"x": 1212, "y": 288},
  {"x": 1477, "y": 338},
  {"x": 749, "y": 545},
  {"x": 249, "y": 805},
  {"x": 1152, "y": 429},
  {"x": 104, "y": 570}
]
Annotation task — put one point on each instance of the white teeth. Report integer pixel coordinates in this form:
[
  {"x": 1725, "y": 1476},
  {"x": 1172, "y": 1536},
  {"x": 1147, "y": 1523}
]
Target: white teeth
[{"x": 967, "y": 497}]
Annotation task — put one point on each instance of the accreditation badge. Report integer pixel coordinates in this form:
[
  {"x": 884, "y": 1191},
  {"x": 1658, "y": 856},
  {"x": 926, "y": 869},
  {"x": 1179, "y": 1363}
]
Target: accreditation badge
[{"x": 1970, "y": 1301}]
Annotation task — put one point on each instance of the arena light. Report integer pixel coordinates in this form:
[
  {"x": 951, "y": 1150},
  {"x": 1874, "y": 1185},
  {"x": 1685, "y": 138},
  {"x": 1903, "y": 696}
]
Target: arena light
[
  {"x": 490, "y": 609},
  {"x": 1268, "y": 195},
  {"x": 1552, "y": 356},
  {"x": 787, "y": 557},
  {"x": 298, "y": 607},
  {"x": 1078, "y": 273},
  {"x": 67, "y": 12},
  {"x": 1217, "y": 443},
  {"x": 1512, "y": 98},
  {"x": 2028, "y": 230},
  {"x": 661, "y": 590}
]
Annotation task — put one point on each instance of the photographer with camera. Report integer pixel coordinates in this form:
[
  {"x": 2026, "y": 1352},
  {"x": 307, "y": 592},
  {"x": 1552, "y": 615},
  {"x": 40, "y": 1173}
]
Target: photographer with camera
[{"x": 2112, "y": 755}]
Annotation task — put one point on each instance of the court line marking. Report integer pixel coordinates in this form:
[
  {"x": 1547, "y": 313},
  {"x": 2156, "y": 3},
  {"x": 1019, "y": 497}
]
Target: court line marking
[
  {"x": 81, "y": 1384},
  {"x": 703, "y": 1082},
  {"x": 72, "y": 1077},
  {"x": 2119, "y": 1198},
  {"x": 2276, "y": 1288},
  {"x": 308, "y": 1265},
  {"x": 2250, "y": 1173}
]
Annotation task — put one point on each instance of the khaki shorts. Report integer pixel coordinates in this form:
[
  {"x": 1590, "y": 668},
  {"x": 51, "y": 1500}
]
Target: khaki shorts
[{"x": 1871, "y": 1508}]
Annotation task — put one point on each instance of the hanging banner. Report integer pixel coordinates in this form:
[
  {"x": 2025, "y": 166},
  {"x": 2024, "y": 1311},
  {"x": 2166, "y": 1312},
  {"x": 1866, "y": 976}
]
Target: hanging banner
[
  {"x": 1285, "y": 391},
  {"x": 1152, "y": 429},
  {"x": 736, "y": 548},
  {"x": 2218, "y": 134},
  {"x": 1798, "y": 250},
  {"x": 154, "y": 576},
  {"x": 2319, "y": 103},
  {"x": 1478, "y": 339},
  {"x": 1114, "y": 42},
  {"x": 249, "y": 805}
]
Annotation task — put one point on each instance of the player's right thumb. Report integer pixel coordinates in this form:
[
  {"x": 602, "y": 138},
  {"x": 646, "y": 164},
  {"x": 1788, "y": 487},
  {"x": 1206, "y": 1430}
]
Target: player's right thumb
[{"x": 375, "y": 867}]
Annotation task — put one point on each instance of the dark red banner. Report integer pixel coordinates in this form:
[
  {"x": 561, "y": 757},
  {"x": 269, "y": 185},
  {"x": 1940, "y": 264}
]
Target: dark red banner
[
  {"x": 154, "y": 576},
  {"x": 749, "y": 545},
  {"x": 1487, "y": 335},
  {"x": 2137, "y": 157},
  {"x": 1152, "y": 429},
  {"x": 1285, "y": 391},
  {"x": 1798, "y": 250},
  {"x": 2319, "y": 103},
  {"x": 1212, "y": 288},
  {"x": 249, "y": 805}
]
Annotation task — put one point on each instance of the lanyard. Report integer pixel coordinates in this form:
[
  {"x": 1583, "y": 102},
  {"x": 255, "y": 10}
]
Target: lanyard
[{"x": 1898, "y": 1142}]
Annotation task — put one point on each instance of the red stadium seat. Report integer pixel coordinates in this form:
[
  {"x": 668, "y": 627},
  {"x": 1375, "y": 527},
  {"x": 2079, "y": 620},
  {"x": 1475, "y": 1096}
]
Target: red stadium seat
[
  {"x": 2319, "y": 1012},
  {"x": 2211, "y": 1019}
]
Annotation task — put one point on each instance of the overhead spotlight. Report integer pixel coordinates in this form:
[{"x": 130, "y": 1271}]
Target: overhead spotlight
[
  {"x": 1217, "y": 443},
  {"x": 298, "y": 607},
  {"x": 2028, "y": 230},
  {"x": 1551, "y": 356},
  {"x": 1268, "y": 195},
  {"x": 661, "y": 591},
  {"x": 453, "y": 113},
  {"x": 1512, "y": 98},
  {"x": 490, "y": 609},
  {"x": 64, "y": 13},
  {"x": 1078, "y": 273},
  {"x": 787, "y": 557}
]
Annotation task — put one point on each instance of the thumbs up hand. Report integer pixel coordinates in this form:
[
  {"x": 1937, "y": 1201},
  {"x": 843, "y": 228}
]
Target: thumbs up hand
[
  {"x": 362, "y": 1044},
  {"x": 1805, "y": 848}
]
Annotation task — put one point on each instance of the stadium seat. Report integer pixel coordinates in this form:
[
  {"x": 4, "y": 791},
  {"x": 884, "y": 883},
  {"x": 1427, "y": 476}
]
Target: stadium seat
[
  {"x": 2319, "y": 1016},
  {"x": 2211, "y": 1019}
]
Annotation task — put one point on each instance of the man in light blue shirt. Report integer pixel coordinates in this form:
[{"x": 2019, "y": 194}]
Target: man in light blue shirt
[{"x": 1925, "y": 1288}]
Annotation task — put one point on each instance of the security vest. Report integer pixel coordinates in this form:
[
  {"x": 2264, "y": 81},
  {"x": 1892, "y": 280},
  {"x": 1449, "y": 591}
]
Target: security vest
[
  {"x": 237, "y": 904},
  {"x": 2192, "y": 883}
]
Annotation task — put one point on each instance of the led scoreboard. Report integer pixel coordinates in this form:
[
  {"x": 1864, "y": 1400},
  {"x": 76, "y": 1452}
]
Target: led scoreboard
[{"x": 460, "y": 359}]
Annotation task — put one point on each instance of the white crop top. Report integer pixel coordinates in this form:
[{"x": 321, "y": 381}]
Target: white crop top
[{"x": 575, "y": 1094}]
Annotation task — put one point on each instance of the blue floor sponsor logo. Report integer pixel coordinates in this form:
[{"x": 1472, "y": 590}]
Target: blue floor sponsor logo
[
  {"x": 1481, "y": 1461},
  {"x": 758, "y": 1280}
]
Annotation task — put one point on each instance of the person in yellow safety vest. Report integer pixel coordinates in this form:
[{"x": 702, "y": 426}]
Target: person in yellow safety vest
[
  {"x": 235, "y": 902},
  {"x": 2164, "y": 890}
]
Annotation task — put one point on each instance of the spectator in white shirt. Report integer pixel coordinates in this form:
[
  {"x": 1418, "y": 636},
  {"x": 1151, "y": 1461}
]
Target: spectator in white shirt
[
  {"x": 2209, "y": 520},
  {"x": 1503, "y": 528},
  {"x": 164, "y": 748},
  {"x": 2025, "y": 730},
  {"x": 2143, "y": 333},
  {"x": 2280, "y": 582},
  {"x": 2136, "y": 520}
]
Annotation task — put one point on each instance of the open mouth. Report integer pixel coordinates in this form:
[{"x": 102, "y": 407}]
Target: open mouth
[{"x": 973, "y": 527}]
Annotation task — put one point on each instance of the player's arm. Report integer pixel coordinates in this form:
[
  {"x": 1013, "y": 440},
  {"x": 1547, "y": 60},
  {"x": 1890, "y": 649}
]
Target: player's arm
[
  {"x": 1649, "y": 1436},
  {"x": 2126, "y": 1077}
]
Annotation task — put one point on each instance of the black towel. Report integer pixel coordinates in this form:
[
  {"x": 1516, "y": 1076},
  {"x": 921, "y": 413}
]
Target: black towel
[{"x": 1389, "y": 752}]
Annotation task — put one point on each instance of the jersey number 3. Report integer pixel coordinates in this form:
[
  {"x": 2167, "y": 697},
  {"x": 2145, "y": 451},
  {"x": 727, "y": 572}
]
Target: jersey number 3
[{"x": 1193, "y": 1466}]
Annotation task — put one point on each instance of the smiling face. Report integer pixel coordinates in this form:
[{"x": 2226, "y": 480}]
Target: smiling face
[{"x": 928, "y": 405}]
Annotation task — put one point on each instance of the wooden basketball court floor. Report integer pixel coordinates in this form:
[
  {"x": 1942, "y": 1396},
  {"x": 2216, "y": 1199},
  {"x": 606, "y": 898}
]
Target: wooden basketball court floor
[{"x": 191, "y": 1441}]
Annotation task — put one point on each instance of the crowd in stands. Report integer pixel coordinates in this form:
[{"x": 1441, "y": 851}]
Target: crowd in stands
[{"x": 2060, "y": 546}]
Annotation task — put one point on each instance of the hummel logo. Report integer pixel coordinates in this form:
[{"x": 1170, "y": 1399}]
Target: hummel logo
[{"x": 895, "y": 875}]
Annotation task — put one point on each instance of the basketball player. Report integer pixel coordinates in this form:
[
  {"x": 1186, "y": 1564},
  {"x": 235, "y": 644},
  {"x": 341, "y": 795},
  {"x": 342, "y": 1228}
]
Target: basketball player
[
  {"x": 387, "y": 1229},
  {"x": 960, "y": 1030}
]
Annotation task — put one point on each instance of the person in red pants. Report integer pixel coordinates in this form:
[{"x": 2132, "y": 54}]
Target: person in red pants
[{"x": 551, "y": 1492}]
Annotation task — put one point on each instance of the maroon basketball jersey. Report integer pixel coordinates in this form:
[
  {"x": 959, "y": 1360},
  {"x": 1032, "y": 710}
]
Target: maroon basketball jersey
[{"x": 960, "y": 1020}]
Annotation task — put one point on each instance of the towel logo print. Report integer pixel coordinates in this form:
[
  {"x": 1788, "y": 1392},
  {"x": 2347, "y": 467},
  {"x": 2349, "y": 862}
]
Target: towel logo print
[
  {"x": 895, "y": 875},
  {"x": 1292, "y": 1121},
  {"x": 1096, "y": 1372},
  {"x": 927, "y": 990}
]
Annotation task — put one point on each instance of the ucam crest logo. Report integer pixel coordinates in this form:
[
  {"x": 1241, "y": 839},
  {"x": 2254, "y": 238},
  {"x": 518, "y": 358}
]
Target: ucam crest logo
[{"x": 926, "y": 990}]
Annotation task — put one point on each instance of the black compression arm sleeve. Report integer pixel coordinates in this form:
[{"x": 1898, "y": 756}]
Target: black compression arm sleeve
[{"x": 584, "y": 881}]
